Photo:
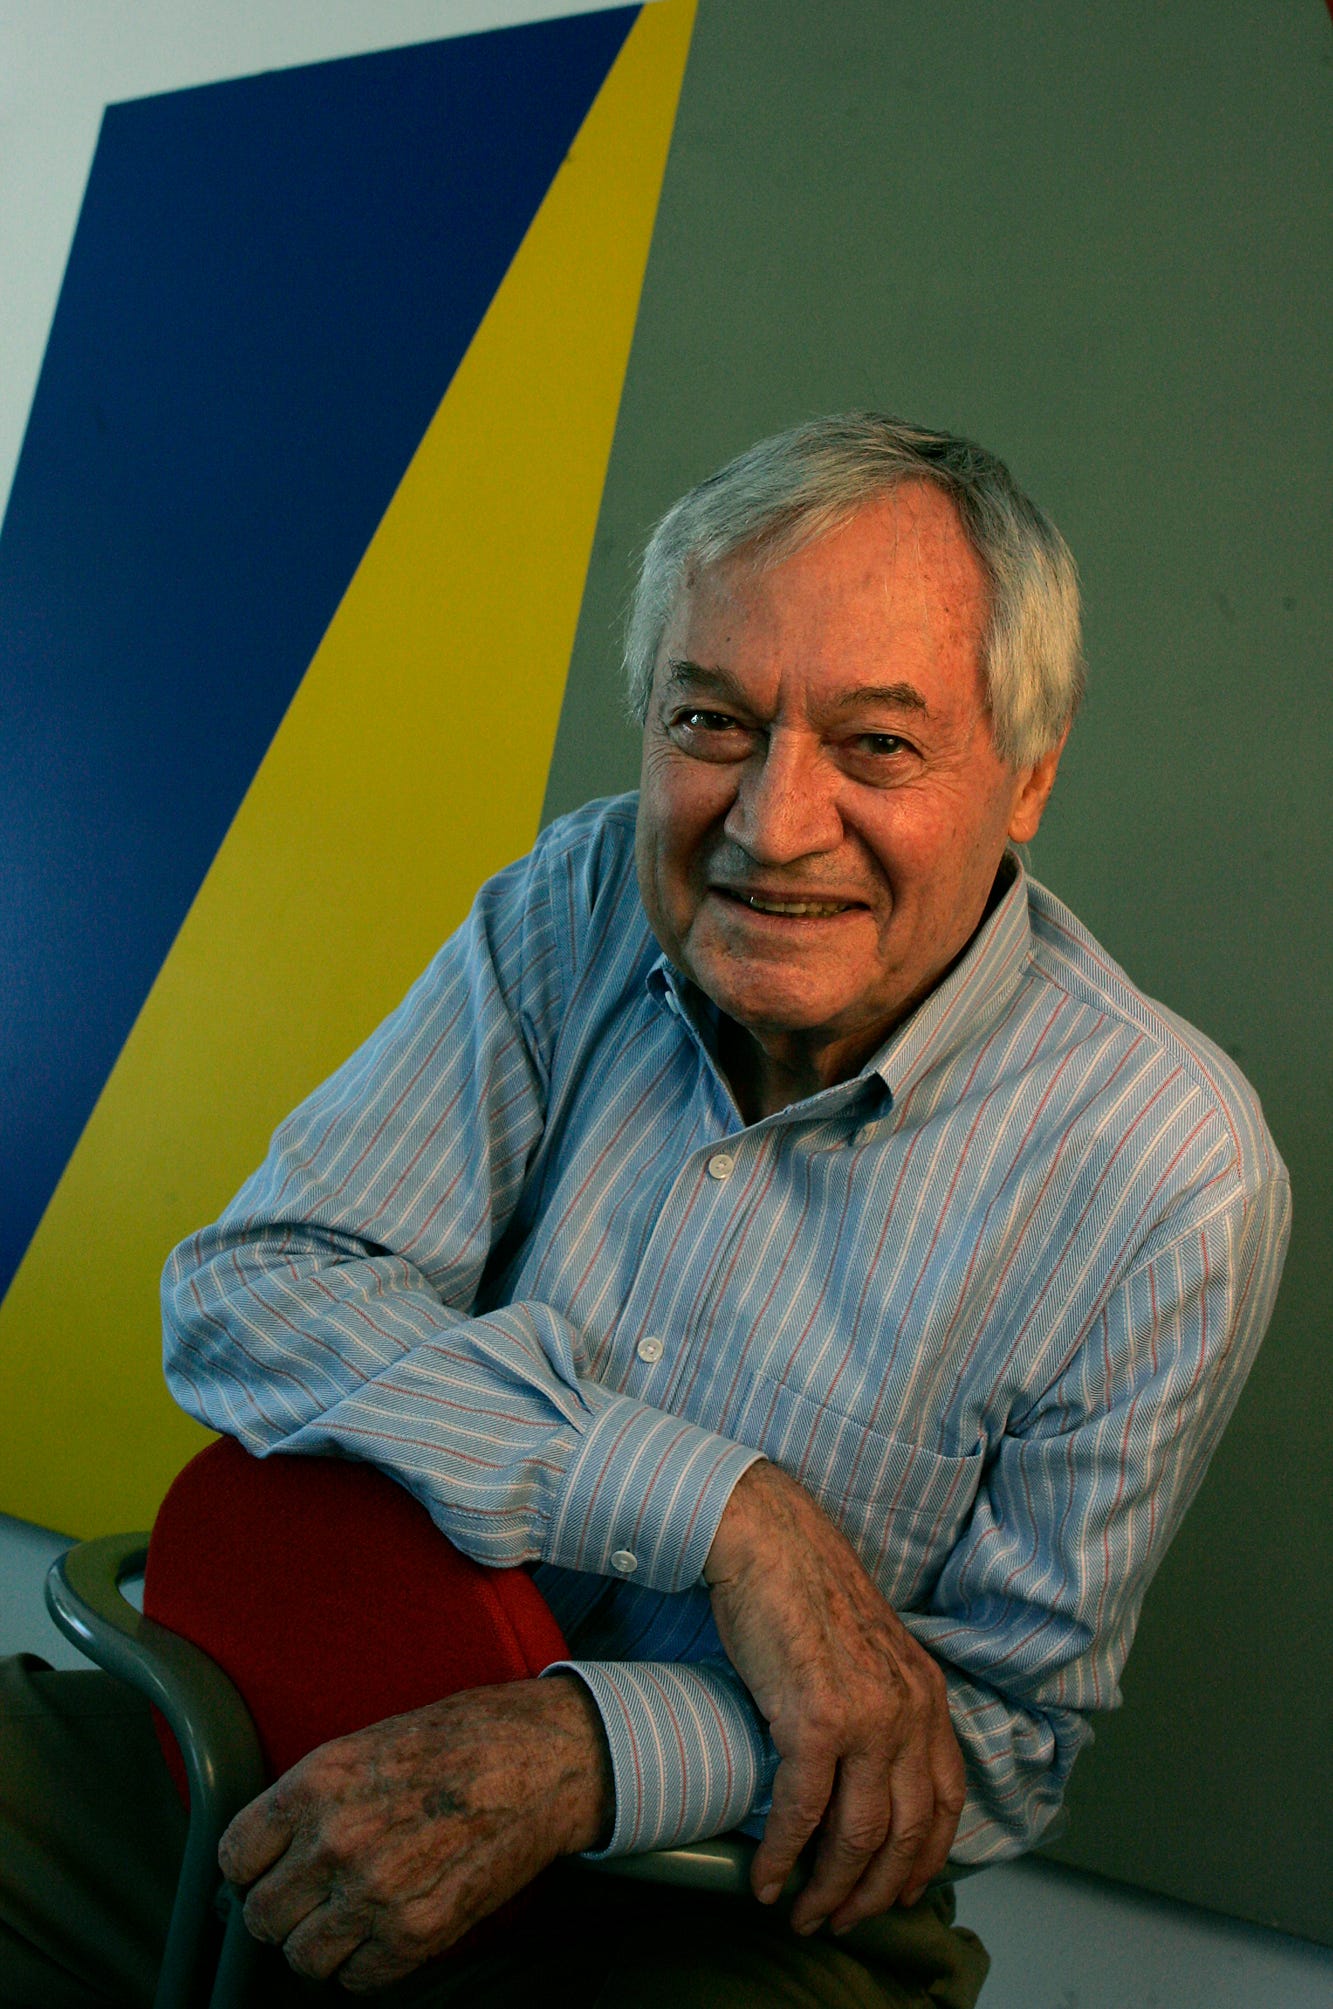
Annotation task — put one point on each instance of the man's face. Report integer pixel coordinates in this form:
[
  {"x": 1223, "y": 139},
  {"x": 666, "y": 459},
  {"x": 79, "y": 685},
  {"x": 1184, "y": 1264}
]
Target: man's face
[{"x": 823, "y": 810}]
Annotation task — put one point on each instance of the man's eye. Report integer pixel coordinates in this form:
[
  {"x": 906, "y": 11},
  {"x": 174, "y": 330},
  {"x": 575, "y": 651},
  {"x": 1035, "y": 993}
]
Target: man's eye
[
  {"x": 881, "y": 759},
  {"x": 699, "y": 721},
  {"x": 709, "y": 735}
]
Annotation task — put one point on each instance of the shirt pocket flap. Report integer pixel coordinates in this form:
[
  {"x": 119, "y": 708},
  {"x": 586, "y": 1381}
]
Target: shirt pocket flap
[{"x": 900, "y": 1505}]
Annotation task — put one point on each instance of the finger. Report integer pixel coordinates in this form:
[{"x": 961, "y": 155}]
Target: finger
[
  {"x": 366, "y": 1976},
  {"x": 255, "y": 1839},
  {"x": 325, "y": 1939},
  {"x": 916, "y": 1845},
  {"x": 950, "y": 1796},
  {"x": 933, "y": 1857},
  {"x": 278, "y": 1904},
  {"x": 882, "y": 1884},
  {"x": 374, "y": 1965},
  {"x": 801, "y": 1791},
  {"x": 856, "y": 1824}
]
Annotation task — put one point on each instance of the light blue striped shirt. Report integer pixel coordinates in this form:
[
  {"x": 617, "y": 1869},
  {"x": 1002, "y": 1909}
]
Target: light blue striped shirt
[{"x": 991, "y": 1302}]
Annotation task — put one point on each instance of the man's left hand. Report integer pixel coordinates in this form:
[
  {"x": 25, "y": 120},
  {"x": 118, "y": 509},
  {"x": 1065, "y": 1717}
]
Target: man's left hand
[
  {"x": 382, "y": 1848},
  {"x": 857, "y": 1709}
]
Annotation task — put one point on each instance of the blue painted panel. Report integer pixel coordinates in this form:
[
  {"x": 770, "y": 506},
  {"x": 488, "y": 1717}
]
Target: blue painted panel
[{"x": 272, "y": 282}]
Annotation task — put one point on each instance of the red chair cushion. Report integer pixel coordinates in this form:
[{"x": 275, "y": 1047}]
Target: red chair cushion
[{"x": 329, "y": 1596}]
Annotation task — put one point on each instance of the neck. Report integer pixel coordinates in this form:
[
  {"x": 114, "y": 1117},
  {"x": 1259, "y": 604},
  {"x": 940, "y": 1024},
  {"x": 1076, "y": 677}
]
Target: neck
[{"x": 765, "y": 1076}]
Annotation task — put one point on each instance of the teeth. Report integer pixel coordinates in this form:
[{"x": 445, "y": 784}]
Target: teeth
[{"x": 820, "y": 909}]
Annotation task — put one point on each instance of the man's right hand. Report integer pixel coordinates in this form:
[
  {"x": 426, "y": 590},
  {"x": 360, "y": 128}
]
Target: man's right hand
[{"x": 856, "y": 1708}]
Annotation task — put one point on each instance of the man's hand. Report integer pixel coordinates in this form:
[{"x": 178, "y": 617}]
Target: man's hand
[
  {"x": 381, "y": 1849},
  {"x": 856, "y": 1708}
]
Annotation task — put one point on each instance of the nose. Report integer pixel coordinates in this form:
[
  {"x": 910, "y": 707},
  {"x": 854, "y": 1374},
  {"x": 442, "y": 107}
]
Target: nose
[{"x": 785, "y": 807}]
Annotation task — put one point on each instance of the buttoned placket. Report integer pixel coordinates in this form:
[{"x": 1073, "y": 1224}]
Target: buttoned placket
[
  {"x": 715, "y": 1175},
  {"x": 708, "y": 1166}
]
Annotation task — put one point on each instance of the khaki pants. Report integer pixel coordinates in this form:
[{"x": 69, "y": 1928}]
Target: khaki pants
[{"x": 91, "y": 1833}]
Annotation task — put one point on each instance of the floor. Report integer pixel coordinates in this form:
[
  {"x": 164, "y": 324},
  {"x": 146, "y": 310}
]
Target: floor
[
  {"x": 1058, "y": 1939},
  {"x": 1062, "y": 1940}
]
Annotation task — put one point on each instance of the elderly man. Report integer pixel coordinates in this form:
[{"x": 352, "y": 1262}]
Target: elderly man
[{"x": 778, "y": 1220}]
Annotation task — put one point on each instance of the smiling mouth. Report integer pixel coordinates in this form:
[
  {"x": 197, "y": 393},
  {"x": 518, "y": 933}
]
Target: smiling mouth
[{"x": 799, "y": 910}]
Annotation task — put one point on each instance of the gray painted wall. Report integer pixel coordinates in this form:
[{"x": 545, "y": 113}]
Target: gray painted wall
[{"x": 1097, "y": 239}]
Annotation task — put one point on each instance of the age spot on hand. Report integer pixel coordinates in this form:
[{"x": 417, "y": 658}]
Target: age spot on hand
[{"x": 441, "y": 1802}]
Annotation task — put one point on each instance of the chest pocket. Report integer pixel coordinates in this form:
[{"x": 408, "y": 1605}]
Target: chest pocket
[{"x": 901, "y": 1506}]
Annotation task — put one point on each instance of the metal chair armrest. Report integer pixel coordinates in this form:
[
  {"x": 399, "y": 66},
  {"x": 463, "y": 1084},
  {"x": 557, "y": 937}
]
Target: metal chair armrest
[
  {"x": 722, "y": 1865},
  {"x": 224, "y": 1766}
]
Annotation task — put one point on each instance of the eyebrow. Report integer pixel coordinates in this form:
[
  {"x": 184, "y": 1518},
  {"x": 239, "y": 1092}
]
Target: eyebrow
[
  {"x": 895, "y": 697},
  {"x": 684, "y": 675}
]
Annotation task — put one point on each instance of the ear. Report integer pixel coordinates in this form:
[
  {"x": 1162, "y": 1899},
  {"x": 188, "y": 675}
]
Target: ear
[{"x": 1033, "y": 793}]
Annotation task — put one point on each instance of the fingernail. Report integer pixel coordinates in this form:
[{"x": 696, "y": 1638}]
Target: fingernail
[
  {"x": 769, "y": 1893},
  {"x": 811, "y": 1925}
]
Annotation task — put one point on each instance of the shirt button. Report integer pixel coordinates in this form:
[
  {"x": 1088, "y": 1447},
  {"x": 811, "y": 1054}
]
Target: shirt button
[
  {"x": 625, "y": 1561},
  {"x": 721, "y": 1165},
  {"x": 649, "y": 1348}
]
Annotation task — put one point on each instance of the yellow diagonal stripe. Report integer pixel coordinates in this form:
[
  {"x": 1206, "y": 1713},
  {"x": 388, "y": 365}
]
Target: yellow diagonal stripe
[{"x": 411, "y": 764}]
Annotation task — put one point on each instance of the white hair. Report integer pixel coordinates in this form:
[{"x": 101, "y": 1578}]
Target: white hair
[{"x": 791, "y": 489}]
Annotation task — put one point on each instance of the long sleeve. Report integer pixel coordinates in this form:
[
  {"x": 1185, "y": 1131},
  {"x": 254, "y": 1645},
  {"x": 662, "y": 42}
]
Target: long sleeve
[
  {"x": 332, "y": 1308},
  {"x": 1035, "y": 1609}
]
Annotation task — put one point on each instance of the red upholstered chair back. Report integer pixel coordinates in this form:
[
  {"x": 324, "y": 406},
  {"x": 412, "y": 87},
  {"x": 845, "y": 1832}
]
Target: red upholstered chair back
[{"x": 330, "y": 1598}]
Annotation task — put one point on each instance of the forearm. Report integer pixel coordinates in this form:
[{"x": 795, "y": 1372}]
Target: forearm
[{"x": 691, "y": 1757}]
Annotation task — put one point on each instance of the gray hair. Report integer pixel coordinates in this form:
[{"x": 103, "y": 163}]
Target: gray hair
[{"x": 792, "y": 489}]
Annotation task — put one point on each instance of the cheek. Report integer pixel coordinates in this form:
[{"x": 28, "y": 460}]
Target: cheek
[
  {"x": 954, "y": 838},
  {"x": 660, "y": 840},
  {"x": 682, "y": 802},
  {"x": 663, "y": 852},
  {"x": 909, "y": 846},
  {"x": 929, "y": 861}
]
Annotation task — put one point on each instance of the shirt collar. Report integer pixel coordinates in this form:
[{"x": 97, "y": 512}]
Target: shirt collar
[{"x": 975, "y": 992}]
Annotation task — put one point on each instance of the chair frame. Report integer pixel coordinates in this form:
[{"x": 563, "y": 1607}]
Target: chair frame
[{"x": 224, "y": 1766}]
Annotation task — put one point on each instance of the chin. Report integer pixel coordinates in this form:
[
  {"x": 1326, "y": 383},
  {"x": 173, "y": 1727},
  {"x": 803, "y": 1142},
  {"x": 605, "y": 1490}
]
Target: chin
[
  {"x": 768, "y": 992},
  {"x": 765, "y": 1010}
]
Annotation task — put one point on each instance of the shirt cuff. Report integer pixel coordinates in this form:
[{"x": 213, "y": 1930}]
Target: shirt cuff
[
  {"x": 643, "y": 1496},
  {"x": 689, "y": 1755}
]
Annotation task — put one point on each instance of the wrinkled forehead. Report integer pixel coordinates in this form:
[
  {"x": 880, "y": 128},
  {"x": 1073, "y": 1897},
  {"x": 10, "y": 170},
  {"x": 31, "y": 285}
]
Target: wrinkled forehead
[
  {"x": 909, "y": 514},
  {"x": 902, "y": 560}
]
